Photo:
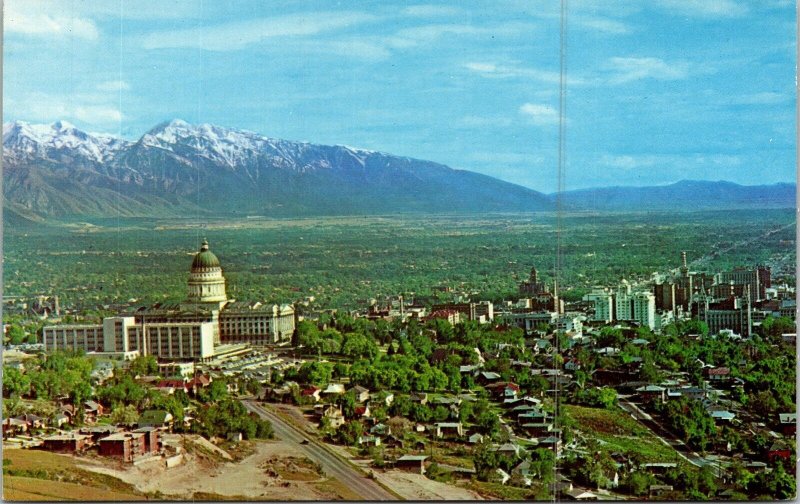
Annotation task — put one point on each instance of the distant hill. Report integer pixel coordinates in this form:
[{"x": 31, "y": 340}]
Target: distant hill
[
  {"x": 179, "y": 169},
  {"x": 685, "y": 195}
]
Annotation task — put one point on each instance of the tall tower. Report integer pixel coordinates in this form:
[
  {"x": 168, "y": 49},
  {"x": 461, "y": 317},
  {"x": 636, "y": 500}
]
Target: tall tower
[{"x": 206, "y": 283}]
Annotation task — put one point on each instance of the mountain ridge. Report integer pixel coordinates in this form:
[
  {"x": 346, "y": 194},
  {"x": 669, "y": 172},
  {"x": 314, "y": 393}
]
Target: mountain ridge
[
  {"x": 175, "y": 167},
  {"x": 682, "y": 195}
]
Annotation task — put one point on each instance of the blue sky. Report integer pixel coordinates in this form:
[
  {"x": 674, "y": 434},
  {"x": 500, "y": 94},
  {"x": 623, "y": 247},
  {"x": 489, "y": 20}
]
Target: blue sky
[{"x": 658, "y": 90}]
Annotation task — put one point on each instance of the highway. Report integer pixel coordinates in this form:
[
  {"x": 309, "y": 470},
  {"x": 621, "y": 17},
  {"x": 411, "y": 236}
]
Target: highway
[{"x": 333, "y": 466}]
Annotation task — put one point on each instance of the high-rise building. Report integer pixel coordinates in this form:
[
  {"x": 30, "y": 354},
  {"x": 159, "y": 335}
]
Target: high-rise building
[
  {"x": 603, "y": 301},
  {"x": 643, "y": 308}
]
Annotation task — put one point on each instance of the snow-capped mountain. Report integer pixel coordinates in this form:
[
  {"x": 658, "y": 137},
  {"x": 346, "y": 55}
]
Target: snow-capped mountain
[
  {"x": 177, "y": 167},
  {"x": 58, "y": 139}
]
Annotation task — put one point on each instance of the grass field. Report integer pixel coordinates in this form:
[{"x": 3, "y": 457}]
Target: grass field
[
  {"x": 38, "y": 475},
  {"x": 618, "y": 432}
]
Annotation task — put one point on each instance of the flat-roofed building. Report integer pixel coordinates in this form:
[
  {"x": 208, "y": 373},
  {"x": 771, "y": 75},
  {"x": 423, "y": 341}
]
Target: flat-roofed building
[
  {"x": 88, "y": 337},
  {"x": 256, "y": 323}
]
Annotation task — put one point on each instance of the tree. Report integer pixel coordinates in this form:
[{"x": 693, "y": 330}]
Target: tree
[
  {"x": 16, "y": 334},
  {"x": 144, "y": 365},
  {"x": 15, "y": 382},
  {"x": 124, "y": 414},
  {"x": 316, "y": 373},
  {"x": 638, "y": 483},
  {"x": 349, "y": 432},
  {"x": 484, "y": 459}
]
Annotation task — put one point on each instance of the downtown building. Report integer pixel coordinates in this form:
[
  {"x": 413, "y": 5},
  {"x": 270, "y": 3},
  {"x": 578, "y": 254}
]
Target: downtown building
[{"x": 190, "y": 330}]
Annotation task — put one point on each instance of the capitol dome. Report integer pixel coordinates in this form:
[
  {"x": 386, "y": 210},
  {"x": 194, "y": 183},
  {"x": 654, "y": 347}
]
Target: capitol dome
[
  {"x": 206, "y": 283},
  {"x": 205, "y": 258}
]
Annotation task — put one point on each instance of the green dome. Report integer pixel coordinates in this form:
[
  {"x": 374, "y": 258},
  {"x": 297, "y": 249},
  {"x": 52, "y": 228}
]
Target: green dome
[{"x": 205, "y": 258}]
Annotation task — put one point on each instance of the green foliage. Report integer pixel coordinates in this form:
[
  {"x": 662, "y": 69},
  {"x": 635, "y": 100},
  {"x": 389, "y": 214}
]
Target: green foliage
[
  {"x": 316, "y": 373},
  {"x": 229, "y": 417},
  {"x": 15, "y": 382},
  {"x": 144, "y": 365},
  {"x": 690, "y": 420},
  {"x": 124, "y": 414}
]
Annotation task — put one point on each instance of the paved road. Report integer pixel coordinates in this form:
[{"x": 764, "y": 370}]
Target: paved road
[{"x": 331, "y": 464}]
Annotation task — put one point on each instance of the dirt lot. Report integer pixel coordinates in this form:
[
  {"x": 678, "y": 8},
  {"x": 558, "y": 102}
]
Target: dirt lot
[
  {"x": 274, "y": 471},
  {"x": 417, "y": 487}
]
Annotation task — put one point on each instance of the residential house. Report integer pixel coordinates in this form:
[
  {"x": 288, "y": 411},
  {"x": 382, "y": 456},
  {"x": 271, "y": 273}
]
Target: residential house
[
  {"x": 155, "y": 418},
  {"x": 312, "y": 392},
  {"x": 579, "y": 494},
  {"x": 333, "y": 389},
  {"x": 411, "y": 463},
  {"x": 334, "y": 416},
  {"x": 449, "y": 429},
  {"x": 92, "y": 410},
  {"x": 33, "y": 421},
  {"x": 171, "y": 386},
  {"x": 486, "y": 377},
  {"x": 551, "y": 443},
  {"x": 659, "y": 490},
  {"x": 362, "y": 393},
  {"x": 362, "y": 411},
  {"x": 13, "y": 426},
  {"x": 476, "y": 438},
  {"x": 60, "y": 419},
  {"x": 369, "y": 441},
  {"x": 788, "y": 423},
  {"x": 380, "y": 429},
  {"x": 508, "y": 449},
  {"x": 651, "y": 393},
  {"x": 778, "y": 451},
  {"x": 419, "y": 397},
  {"x": 717, "y": 373}
]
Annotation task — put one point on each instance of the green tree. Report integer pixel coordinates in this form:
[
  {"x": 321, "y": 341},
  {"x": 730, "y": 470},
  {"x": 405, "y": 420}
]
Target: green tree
[
  {"x": 15, "y": 382},
  {"x": 144, "y": 365}
]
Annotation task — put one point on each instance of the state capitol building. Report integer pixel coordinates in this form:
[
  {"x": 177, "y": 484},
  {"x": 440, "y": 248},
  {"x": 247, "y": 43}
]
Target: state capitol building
[{"x": 194, "y": 329}]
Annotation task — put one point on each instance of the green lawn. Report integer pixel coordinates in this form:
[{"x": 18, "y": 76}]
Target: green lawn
[{"x": 620, "y": 433}]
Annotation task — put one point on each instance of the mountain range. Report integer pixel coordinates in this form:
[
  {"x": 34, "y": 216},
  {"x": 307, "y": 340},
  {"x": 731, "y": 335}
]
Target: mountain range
[{"x": 178, "y": 169}]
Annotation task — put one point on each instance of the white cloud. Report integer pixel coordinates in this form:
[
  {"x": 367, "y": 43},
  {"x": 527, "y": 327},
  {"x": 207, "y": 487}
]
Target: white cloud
[
  {"x": 237, "y": 35},
  {"x": 34, "y": 19},
  {"x": 538, "y": 114},
  {"x": 431, "y": 10},
  {"x": 496, "y": 71},
  {"x": 113, "y": 86},
  {"x": 706, "y": 8},
  {"x": 630, "y": 69},
  {"x": 96, "y": 110}
]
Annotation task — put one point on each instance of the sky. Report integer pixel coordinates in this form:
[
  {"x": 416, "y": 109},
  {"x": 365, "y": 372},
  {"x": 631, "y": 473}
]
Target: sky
[{"x": 657, "y": 90}]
